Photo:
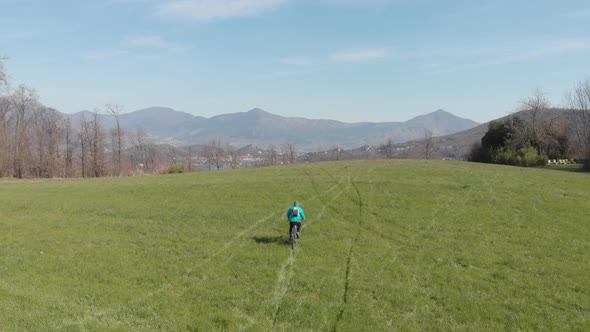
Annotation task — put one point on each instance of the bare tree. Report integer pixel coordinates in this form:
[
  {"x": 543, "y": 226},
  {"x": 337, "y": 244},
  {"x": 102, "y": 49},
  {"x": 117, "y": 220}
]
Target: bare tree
[
  {"x": 3, "y": 76},
  {"x": 69, "y": 148},
  {"x": 53, "y": 124},
  {"x": 172, "y": 156},
  {"x": 85, "y": 141},
  {"x": 118, "y": 139},
  {"x": 579, "y": 115},
  {"x": 97, "y": 149},
  {"x": 140, "y": 158},
  {"x": 145, "y": 155},
  {"x": 534, "y": 122},
  {"x": 273, "y": 155},
  {"x": 215, "y": 154},
  {"x": 289, "y": 154},
  {"x": 234, "y": 156},
  {"x": 208, "y": 154},
  {"x": 190, "y": 159},
  {"x": 388, "y": 149},
  {"x": 24, "y": 98},
  {"x": 335, "y": 152},
  {"x": 220, "y": 154},
  {"x": 5, "y": 135},
  {"x": 39, "y": 165},
  {"x": 429, "y": 146},
  {"x": 6, "y": 106},
  {"x": 47, "y": 139}
]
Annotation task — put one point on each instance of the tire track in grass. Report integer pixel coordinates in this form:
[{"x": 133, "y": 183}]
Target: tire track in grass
[
  {"x": 114, "y": 311},
  {"x": 231, "y": 241},
  {"x": 167, "y": 287},
  {"x": 248, "y": 230},
  {"x": 282, "y": 285},
  {"x": 349, "y": 259},
  {"x": 316, "y": 187},
  {"x": 327, "y": 202},
  {"x": 286, "y": 272},
  {"x": 287, "y": 267},
  {"x": 227, "y": 245},
  {"x": 448, "y": 205},
  {"x": 346, "y": 285}
]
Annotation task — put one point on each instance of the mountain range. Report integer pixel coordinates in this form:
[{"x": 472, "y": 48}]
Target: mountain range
[{"x": 262, "y": 128}]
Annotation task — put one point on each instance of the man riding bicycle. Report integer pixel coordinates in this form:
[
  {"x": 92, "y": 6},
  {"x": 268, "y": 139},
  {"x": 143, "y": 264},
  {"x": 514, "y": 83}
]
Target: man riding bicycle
[{"x": 295, "y": 215}]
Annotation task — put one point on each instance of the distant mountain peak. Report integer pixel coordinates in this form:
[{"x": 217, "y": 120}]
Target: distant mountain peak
[
  {"x": 257, "y": 110},
  {"x": 158, "y": 110},
  {"x": 440, "y": 114}
]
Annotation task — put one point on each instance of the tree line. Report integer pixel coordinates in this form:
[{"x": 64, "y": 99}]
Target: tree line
[
  {"x": 539, "y": 132},
  {"x": 37, "y": 141}
]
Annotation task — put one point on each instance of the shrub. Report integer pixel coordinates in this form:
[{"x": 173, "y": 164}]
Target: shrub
[
  {"x": 529, "y": 157},
  {"x": 477, "y": 153},
  {"x": 506, "y": 157},
  {"x": 176, "y": 169}
]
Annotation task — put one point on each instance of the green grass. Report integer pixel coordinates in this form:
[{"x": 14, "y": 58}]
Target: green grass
[
  {"x": 388, "y": 245},
  {"x": 567, "y": 167}
]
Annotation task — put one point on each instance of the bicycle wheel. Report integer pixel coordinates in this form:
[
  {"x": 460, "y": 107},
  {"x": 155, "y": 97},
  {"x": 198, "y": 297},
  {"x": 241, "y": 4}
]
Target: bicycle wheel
[{"x": 293, "y": 237}]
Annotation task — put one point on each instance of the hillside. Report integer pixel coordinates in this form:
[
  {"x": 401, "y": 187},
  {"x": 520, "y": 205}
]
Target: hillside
[{"x": 455, "y": 145}]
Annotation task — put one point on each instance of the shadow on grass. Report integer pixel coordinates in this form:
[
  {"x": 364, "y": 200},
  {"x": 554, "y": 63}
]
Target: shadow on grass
[{"x": 281, "y": 240}]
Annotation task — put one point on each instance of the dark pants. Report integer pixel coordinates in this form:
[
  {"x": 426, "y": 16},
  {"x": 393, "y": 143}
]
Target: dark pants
[{"x": 294, "y": 224}]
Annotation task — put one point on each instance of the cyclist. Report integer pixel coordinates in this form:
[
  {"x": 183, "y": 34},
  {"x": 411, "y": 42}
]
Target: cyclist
[{"x": 295, "y": 215}]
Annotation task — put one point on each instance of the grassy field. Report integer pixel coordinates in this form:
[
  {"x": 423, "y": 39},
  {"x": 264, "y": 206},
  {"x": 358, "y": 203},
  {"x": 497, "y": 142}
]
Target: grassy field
[{"x": 388, "y": 245}]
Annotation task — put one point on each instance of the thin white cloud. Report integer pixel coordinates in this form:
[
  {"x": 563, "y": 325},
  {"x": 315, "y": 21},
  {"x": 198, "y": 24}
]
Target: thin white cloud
[
  {"x": 357, "y": 56},
  {"x": 367, "y": 3},
  {"x": 296, "y": 61},
  {"x": 153, "y": 43},
  {"x": 104, "y": 54},
  {"x": 564, "y": 45},
  {"x": 359, "y": 2},
  {"x": 582, "y": 13},
  {"x": 549, "y": 48},
  {"x": 278, "y": 75},
  {"x": 146, "y": 41},
  {"x": 207, "y": 10},
  {"x": 140, "y": 46},
  {"x": 129, "y": 1},
  {"x": 16, "y": 35}
]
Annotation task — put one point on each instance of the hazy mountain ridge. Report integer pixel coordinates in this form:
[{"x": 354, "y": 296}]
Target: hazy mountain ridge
[{"x": 263, "y": 128}]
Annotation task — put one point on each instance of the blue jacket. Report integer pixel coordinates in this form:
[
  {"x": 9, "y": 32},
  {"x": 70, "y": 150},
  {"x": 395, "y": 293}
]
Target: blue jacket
[{"x": 293, "y": 218}]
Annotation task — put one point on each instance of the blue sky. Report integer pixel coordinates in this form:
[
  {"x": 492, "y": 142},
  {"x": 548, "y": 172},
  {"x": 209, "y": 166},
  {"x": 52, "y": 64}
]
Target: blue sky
[{"x": 348, "y": 60}]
